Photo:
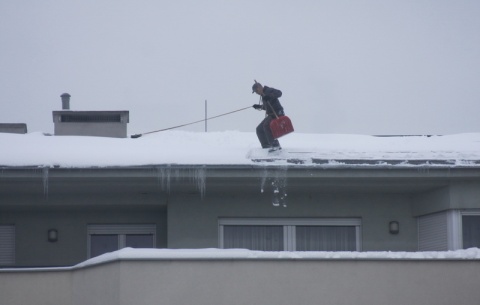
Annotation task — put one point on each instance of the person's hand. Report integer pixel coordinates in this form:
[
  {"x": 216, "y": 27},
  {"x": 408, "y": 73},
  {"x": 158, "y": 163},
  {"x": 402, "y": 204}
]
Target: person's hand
[{"x": 257, "y": 106}]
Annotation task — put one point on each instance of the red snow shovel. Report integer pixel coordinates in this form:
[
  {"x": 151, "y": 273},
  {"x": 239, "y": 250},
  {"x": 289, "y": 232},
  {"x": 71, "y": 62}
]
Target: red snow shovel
[{"x": 281, "y": 125}]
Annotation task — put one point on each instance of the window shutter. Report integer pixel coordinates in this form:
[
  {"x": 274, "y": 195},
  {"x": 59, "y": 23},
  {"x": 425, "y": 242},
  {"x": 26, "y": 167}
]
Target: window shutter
[
  {"x": 7, "y": 245},
  {"x": 433, "y": 232}
]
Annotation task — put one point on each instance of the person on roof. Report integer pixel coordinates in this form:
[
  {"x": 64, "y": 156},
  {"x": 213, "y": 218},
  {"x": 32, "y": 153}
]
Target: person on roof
[{"x": 270, "y": 103}]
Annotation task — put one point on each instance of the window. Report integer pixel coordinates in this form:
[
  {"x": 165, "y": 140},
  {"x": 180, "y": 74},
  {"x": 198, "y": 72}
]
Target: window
[
  {"x": 103, "y": 243},
  {"x": 107, "y": 238},
  {"x": 90, "y": 118},
  {"x": 449, "y": 230},
  {"x": 326, "y": 238},
  {"x": 286, "y": 234},
  {"x": 7, "y": 245},
  {"x": 254, "y": 237},
  {"x": 471, "y": 230}
]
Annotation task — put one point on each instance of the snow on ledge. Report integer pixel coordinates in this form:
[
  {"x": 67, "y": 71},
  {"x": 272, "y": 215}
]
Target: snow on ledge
[
  {"x": 130, "y": 254},
  {"x": 243, "y": 254}
]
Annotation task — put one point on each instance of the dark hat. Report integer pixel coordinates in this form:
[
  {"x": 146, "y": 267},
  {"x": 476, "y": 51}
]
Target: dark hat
[{"x": 255, "y": 86}]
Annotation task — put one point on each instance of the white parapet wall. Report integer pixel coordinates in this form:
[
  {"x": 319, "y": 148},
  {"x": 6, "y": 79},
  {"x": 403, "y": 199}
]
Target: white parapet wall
[
  {"x": 36, "y": 286},
  {"x": 233, "y": 277}
]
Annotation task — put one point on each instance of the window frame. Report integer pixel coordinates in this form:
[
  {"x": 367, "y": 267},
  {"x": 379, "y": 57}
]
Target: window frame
[
  {"x": 459, "y": 225},
  {"x": 289, "y": 227},
  {"x": 121, "y": 230}
]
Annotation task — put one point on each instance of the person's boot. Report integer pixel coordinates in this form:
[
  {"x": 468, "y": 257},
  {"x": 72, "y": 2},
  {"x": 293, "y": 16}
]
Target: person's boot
[{"x": 274, "y": 148}]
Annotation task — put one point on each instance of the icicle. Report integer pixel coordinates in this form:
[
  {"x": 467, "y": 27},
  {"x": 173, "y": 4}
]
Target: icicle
[
  {"x": 177, "y": 174},
  {"x": 264, "y": 179},
  {"x": 196, "y": 176},
  {"x": 200, "y": 180},
  {"x": 163, "y": 177},
  {"x": 45, "y": 181}
]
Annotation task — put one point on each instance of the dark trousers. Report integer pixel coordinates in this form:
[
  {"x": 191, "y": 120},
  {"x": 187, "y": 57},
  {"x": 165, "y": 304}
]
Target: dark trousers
[{"x": 264, "y": 133}]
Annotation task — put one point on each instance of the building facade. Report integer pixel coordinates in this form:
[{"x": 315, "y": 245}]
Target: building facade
[{"x": 56, "y": 216}]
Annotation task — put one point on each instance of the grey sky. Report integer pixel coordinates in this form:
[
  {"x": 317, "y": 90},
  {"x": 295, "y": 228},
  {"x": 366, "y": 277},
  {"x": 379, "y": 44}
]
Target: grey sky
[{"x": 362, "y": 67}]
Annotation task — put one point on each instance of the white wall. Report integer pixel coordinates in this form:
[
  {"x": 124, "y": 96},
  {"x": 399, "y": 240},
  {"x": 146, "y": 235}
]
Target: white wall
[{"x": 249, "y": 281}]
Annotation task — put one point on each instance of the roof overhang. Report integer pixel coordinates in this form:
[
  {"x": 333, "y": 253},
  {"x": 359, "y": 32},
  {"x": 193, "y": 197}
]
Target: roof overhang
[{"x": 241, "y": 177}]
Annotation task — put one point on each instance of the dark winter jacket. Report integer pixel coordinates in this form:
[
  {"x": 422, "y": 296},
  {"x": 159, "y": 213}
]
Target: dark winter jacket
[{"x": 270, "y": 96}]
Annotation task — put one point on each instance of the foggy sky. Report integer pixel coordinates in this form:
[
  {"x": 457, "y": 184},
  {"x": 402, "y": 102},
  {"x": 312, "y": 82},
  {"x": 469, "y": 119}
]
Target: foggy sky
[{"x": 358, "y": 67}]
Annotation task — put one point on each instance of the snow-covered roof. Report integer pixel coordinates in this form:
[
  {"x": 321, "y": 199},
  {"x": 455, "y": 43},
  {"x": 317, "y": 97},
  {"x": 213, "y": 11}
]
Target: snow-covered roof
[{"x": 238, "y": 148}]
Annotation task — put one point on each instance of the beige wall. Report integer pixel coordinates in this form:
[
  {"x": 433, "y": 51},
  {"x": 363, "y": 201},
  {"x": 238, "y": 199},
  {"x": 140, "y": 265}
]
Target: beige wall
[
  {"x": 249, "y": 281},
  {"x": 35, "y": 287}
]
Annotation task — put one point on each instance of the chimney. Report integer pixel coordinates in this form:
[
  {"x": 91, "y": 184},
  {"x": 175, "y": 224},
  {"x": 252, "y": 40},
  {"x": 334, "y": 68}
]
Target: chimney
[{"x": 65, "y": 101}]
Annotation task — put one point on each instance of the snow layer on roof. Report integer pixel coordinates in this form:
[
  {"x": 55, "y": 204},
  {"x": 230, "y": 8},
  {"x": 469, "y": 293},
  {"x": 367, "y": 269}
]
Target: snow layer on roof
[
  {"x": 220, "y": 254},
  {"x": 227, "y": 148}
]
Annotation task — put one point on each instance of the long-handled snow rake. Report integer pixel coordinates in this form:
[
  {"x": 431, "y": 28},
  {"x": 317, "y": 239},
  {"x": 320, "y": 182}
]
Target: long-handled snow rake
[{"x": 138, "y": 135}]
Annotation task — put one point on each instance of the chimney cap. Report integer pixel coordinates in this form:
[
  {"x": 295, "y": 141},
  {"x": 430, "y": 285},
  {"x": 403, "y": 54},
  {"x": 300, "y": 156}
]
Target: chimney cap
[{"x": 65, "y": 95}]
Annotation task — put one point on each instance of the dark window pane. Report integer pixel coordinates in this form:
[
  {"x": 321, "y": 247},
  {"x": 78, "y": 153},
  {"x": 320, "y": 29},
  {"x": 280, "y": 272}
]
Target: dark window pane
[
  {"x": 471, "y": 231},
  {"x": 326, "y": 238},
  {"x": 66, "y": 118},
  {"x": 102, "y": 243},
  {"x": 264, "y": 238},
  {"x": 139, "y": 241}
]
